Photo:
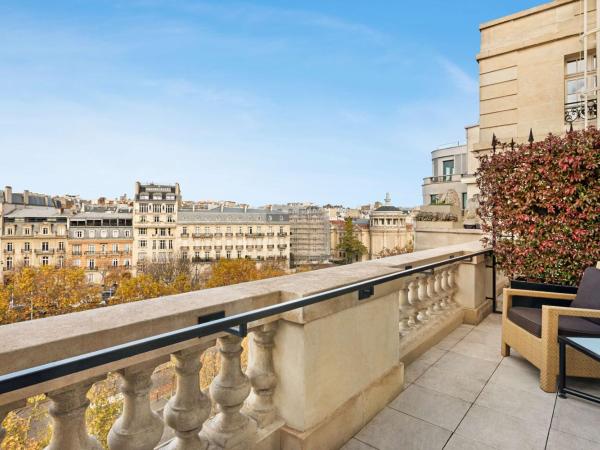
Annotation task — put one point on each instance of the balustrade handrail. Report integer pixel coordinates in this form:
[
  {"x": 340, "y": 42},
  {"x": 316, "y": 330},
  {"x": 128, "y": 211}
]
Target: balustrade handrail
[{"x": 46, "y": 372}]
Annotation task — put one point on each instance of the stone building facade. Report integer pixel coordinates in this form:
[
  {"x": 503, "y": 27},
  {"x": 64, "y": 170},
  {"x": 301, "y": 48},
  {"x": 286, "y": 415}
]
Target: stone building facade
[
  {"x": 385, "y": 230},
  {"x": 231, "y": 232},
  {"x": 155, "y": 208},
  {"x": 101, "y": 240},
  {"x": 34, "y": 231}
]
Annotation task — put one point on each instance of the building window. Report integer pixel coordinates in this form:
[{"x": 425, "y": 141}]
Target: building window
[
  {"x": 143, "y": 208},
  {"x": 239, "y": 254},
  {"x": 249, "y": 230},
  {"x": 206, "y": 230},
  {"x": 77, "y": 249},
  {"x": 61, "y": 246},
  {"x": 61, "y": 261},
  {"x": 26, "y": 261},
  {"x": 142, "y": 219},
  {"x": 448, "y": 169},
  {"x": 45, "y": 230},
  {"x": 45, "y": 246},
  {"x": 9, "y": 263},
  {"x": 143, "y": 243},
  {"x": 574, "y": 84},
  {"x": 45, "y": 260},
  {"x": 434, "y": 199},
  {"x": 115, "y": 262},
  {"x": 217, "y": 255},
  {"x": 115, "y": 233},
  {"x": 143, "y": 231},
  {"x": 91, "y": 264},
  {"x": 92, "y": 234},
  {"x": 170, "y": 244},
  {"x": 162, "y": 245},
  {"x": 127, "y": 248},
  {"x": 27, "y": 246},
  {"x": 126, "y": 263},
  {"x": 228, "y": 254},
  {"x": 79, "y": 234},
  {"x": 26, "y": 231},
  {"x": 9, "y": 231},
  {"x": 128, "y": 233},
  {"x": 206, "y": 256},
  {"x": 464, "y": 200},
  {"x": 157, "y": 207},
  {"x": 170, "y": 219},
  {"x": 170, "y": 208},
  {"x": 184, "y": 255},
  {"x": 156, "y": 219},
  {"x": 9, "y": 246},
  {"x": 115, "y": 248}
]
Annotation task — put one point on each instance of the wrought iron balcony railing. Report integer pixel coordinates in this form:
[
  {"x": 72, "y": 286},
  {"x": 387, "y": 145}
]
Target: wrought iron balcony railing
[{"x": 577, "y": 110}]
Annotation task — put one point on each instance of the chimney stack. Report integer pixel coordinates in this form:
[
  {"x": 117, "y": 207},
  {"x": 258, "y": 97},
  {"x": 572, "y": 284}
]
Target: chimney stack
[
  {"x": 8, "y": 194},
  {"x": 26, "y": 197}
]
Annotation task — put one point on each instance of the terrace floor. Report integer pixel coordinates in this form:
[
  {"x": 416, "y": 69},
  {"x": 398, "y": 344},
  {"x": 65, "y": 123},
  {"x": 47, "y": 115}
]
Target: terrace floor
[{"x": 463, "y": 395}]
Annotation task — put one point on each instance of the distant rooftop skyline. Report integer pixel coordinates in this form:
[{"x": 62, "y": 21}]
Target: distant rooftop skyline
[{"x": 261, "y": 102}]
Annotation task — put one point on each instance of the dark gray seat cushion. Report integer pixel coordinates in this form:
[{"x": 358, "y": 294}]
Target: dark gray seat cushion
[
  {"x": 530, "y": 319},
  {"x": 588, "y": 292}
]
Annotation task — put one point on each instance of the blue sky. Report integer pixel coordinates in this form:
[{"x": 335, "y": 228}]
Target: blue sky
[{"x": 267, "y": 101}]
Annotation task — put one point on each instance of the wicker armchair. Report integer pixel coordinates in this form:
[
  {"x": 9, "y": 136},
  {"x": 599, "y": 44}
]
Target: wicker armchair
[{"x": 533, "y": 332}]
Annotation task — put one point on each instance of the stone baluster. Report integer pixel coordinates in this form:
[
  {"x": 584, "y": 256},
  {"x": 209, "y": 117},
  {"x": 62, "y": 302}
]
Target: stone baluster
[
  {"x": 68, "y": 418},
  {"x": 446, "y": 288},
  {"x": 189, "y": 408},
  {"x": 424, "y": 299},
  {"x": 230, "y": 428},
  {"x": 433, "y": 294},
  {"x": 452, "y": 282},
  {"x": 441, "y": 295},
  {"x": 413, "y": 299},
  {"x": 405, "y": 310},
  {"x": 260, "y": 405},
  {"x": 138, "y": 427},
  {"x": 4, "y": 410}
]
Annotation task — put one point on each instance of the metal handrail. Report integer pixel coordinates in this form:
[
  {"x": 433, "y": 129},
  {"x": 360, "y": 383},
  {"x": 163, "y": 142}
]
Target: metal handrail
[{"x": 50, "y": 371}]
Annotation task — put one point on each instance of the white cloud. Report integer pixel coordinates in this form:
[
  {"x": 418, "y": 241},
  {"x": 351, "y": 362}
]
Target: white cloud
[{"x": 461, "y": 79}]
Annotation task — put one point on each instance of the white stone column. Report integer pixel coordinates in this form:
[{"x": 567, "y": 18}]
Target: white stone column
[
  {"x": 260, "y": 405},
  {"x": 230, "y": 428},
  {"x": 441, "y": 295},
  {"x": 189, "y": 408},
  {"x": 4, "y": 410},
  {"x": 138, "y": 427},
  {"x": 68, "y": 418}
]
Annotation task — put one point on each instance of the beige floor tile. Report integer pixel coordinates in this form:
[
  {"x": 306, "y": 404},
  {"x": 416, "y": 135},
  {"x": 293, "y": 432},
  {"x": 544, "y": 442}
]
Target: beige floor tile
[
  {"x": 456, "y": 362},
  {"x": 432, "y": 355},
  {"x": 518, "y": 403},
  {"x": 431, "y": 406},
  {"x": 501, "y": 431},
  {"x": 579, "y": 417},
  {"x": 354, "y": 444},
  {"x": 457, "y": 442},
  {"x": 478, "y": 350},
  {"x": 393, "y": 430},
  {"x": 459, "y": 384},
  {"x": 557, "y": 440},
  {"x": 521, "y": 376},
  {"x": 414, "y": 370}
]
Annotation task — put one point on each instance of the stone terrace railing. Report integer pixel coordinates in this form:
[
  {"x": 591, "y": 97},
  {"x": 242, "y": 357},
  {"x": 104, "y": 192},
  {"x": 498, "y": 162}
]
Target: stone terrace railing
[{"x": 315, "y": 375}]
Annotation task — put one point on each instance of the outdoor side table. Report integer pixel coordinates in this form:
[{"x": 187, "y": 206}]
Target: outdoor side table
[{"x": 589, "y": 346}]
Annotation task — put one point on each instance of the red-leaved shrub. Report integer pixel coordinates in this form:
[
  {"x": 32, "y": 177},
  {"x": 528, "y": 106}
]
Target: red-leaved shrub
[{"x": 540, "y": 206}]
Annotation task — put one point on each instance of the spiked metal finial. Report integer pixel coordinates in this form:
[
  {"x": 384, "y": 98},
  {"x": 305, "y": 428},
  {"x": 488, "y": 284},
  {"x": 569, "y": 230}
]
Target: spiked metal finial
[
  {"x": 512, "y": 144},
  {"x": 494, "y": 142},
  {"x": 530, "y": 136},
  {"x": 570, "y": 127}
]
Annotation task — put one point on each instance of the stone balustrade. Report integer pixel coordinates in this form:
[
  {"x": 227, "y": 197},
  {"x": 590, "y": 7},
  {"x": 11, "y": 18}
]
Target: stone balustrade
[{"x": 315, "y": 375}]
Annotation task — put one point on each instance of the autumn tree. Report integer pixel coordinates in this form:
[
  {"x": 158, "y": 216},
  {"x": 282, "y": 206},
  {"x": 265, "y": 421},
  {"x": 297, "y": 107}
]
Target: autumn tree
[
  {"x": 233, "y": 271},
  {"x": 351, "y": 247},
  {"x": 34, "y": 292}
]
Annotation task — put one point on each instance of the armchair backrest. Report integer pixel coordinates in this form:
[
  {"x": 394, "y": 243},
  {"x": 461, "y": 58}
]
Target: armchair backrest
[{"x": 588, "y": 293}]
